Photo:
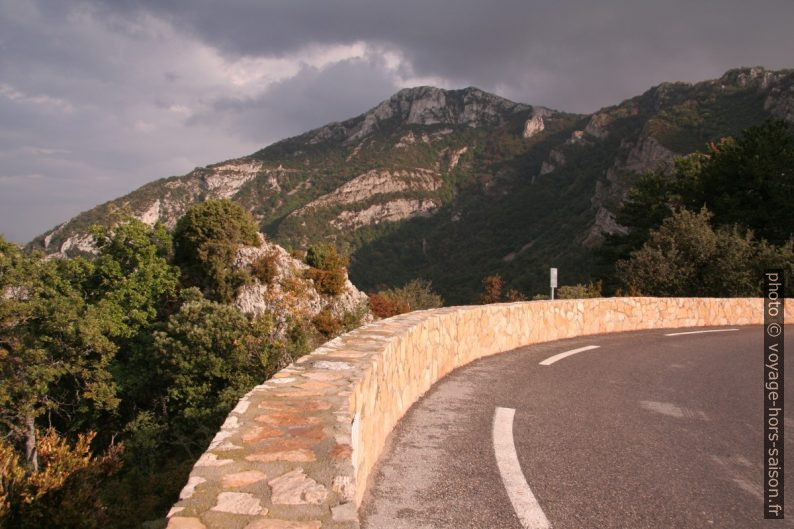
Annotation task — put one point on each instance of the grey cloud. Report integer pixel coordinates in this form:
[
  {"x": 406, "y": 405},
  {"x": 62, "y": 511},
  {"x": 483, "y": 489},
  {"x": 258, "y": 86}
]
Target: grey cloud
[
  {"x": 308, "y": 100},
  {"x": 609, "y": 49},
  {"x": 119, "y": 66}
]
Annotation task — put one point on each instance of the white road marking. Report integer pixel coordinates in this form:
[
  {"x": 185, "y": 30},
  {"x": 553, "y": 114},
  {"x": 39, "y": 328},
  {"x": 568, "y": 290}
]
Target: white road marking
[
  {"x": 550, "y": 360},
  {"x": 699, "y": 332},
  {"x": 526, "y": 506}
]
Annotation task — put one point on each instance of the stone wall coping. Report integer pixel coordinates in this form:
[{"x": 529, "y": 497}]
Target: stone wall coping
[{"x": 297, "y": 450}]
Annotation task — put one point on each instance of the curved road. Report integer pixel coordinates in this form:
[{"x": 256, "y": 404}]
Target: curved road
[{"x": 644, "y": 431}]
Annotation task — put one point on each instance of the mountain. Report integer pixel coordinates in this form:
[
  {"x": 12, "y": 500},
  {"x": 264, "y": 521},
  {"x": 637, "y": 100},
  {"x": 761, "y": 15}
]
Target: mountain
[{"x": 454, "y": 185}]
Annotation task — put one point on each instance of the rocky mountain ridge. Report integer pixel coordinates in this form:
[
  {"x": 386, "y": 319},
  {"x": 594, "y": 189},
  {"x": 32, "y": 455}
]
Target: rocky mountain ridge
[{"x": 441, "y": 176}]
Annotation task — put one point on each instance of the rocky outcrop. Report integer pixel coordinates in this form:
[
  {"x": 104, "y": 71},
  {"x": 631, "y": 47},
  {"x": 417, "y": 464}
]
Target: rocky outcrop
[
  {"x": 647, "y": 155},
  {"x": 76, "y": 244},
  {"x": 411, "y": 139},
  {"x": 376, "y": 182},
  {"x": 391, "y": 211},
  {"x": 533, "y": 126},
  {"x": 536, "y": 124},
  {"x": 603, "y": 225},
  {"x": 578, "y": 137},
  {"x": 780, "y": 102},
  {"x": 597, "y": 126},
  {"x": 290, "y": 294},
  {"x": 556, "y": 159},
  {"x": 454, "y": 158},
  {"x": 224, "y": 180},
  {"x": 426, "y": 105}
]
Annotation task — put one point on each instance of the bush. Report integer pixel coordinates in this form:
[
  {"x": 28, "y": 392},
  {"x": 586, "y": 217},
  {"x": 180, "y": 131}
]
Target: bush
[
  {"x": 325, "y": 257},
  {"x": 206, "y": 240},
  {"x": 327, "y": 269},
  {"x": 330, "y": 282},
  {"x": 686, "y": 256},
  {"x": 62, "y": 491},
  {"x": 203, "y": 360},
  {"x": 384, "y": 306},
  {"x": 326, "y": 324},
  {"x": 414, "y": 295},
  {"x": 579, "y": 291},
  {"x": 264, "y": 268},
  {"x": 514, "y": 295},
  {"x": 491, "y": 289}
]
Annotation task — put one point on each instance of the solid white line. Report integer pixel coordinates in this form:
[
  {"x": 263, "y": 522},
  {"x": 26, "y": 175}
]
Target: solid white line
[
  {"x": 699, "y": 332},
  {"x": 526, "y": 506},
  {"x": 550, "y": 360}
]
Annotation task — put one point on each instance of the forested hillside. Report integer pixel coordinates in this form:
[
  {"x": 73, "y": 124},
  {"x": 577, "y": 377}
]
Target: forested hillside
[{"x": 116, "y": 371}]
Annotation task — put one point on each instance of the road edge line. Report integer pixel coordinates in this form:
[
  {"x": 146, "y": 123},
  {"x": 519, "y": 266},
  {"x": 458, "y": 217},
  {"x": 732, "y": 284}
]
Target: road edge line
[{"x": 525, "y": 505}]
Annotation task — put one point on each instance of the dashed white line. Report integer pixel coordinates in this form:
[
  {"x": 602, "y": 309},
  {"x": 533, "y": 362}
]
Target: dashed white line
[
  {"x": 550, "y": 360},
  {"x": 524, "y": 502},
  {"x": 699, "y": 332}
]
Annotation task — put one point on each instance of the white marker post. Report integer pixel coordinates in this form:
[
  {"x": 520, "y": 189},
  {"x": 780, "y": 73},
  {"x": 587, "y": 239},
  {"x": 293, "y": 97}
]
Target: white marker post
[{"x": 553, "y": 274}]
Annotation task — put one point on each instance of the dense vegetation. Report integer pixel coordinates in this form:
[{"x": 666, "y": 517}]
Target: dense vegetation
[
  {"x": 206, "y": 241},
  {"x": 115, "y": 372},
  {"x": 711, "y": 226},
  {"x": 414, "y": 295}
]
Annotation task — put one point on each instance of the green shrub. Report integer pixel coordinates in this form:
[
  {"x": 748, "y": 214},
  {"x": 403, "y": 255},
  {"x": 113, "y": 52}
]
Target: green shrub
[
  {"x": 264, "y": 268},
  {"x": 326, "y": 324},
  {"x": 325, "y": 257},
  {"x": 327, "y": 269},
  {"x": 415, "y": 295},
  {"x": 206, "y": 240},
  {"x": 330, "y": 282},
  {"x": 514, "y": 295},
  {"x": 579, "y": 291},
  {"x": 686, "y": 256}
]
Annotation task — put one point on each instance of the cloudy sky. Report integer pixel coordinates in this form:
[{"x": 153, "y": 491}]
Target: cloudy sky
[{"x": 99, "y": 97}]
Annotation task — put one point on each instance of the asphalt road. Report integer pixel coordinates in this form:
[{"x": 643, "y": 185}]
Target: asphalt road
[{"x": 646, "y": 431}]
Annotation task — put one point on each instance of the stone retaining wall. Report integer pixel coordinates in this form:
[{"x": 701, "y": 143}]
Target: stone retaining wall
[{"x": 296, "y": 451}]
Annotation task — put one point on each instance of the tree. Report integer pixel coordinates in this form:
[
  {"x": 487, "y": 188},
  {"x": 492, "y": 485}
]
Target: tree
[
  {"x": 206, "y": 240},
  {"x": 203, "y": 360},
  {"x": 750, "y": 182},
  {"x": 687, "y": 257},
  {"x": 132, "y": 277},
  {"x": 55, "y": 350},
  {"x": 747, "y": 182}
]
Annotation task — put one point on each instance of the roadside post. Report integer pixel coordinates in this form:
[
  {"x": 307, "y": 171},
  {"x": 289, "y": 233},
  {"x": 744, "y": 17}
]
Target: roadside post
[{"x": 553, "y": 274}]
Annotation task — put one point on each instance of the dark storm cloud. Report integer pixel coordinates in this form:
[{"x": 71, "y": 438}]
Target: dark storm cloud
[
  {"x": 308, "y": 100},
  {"x": 574, "y": 55},
  {"x": 98, "y": 97}
]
